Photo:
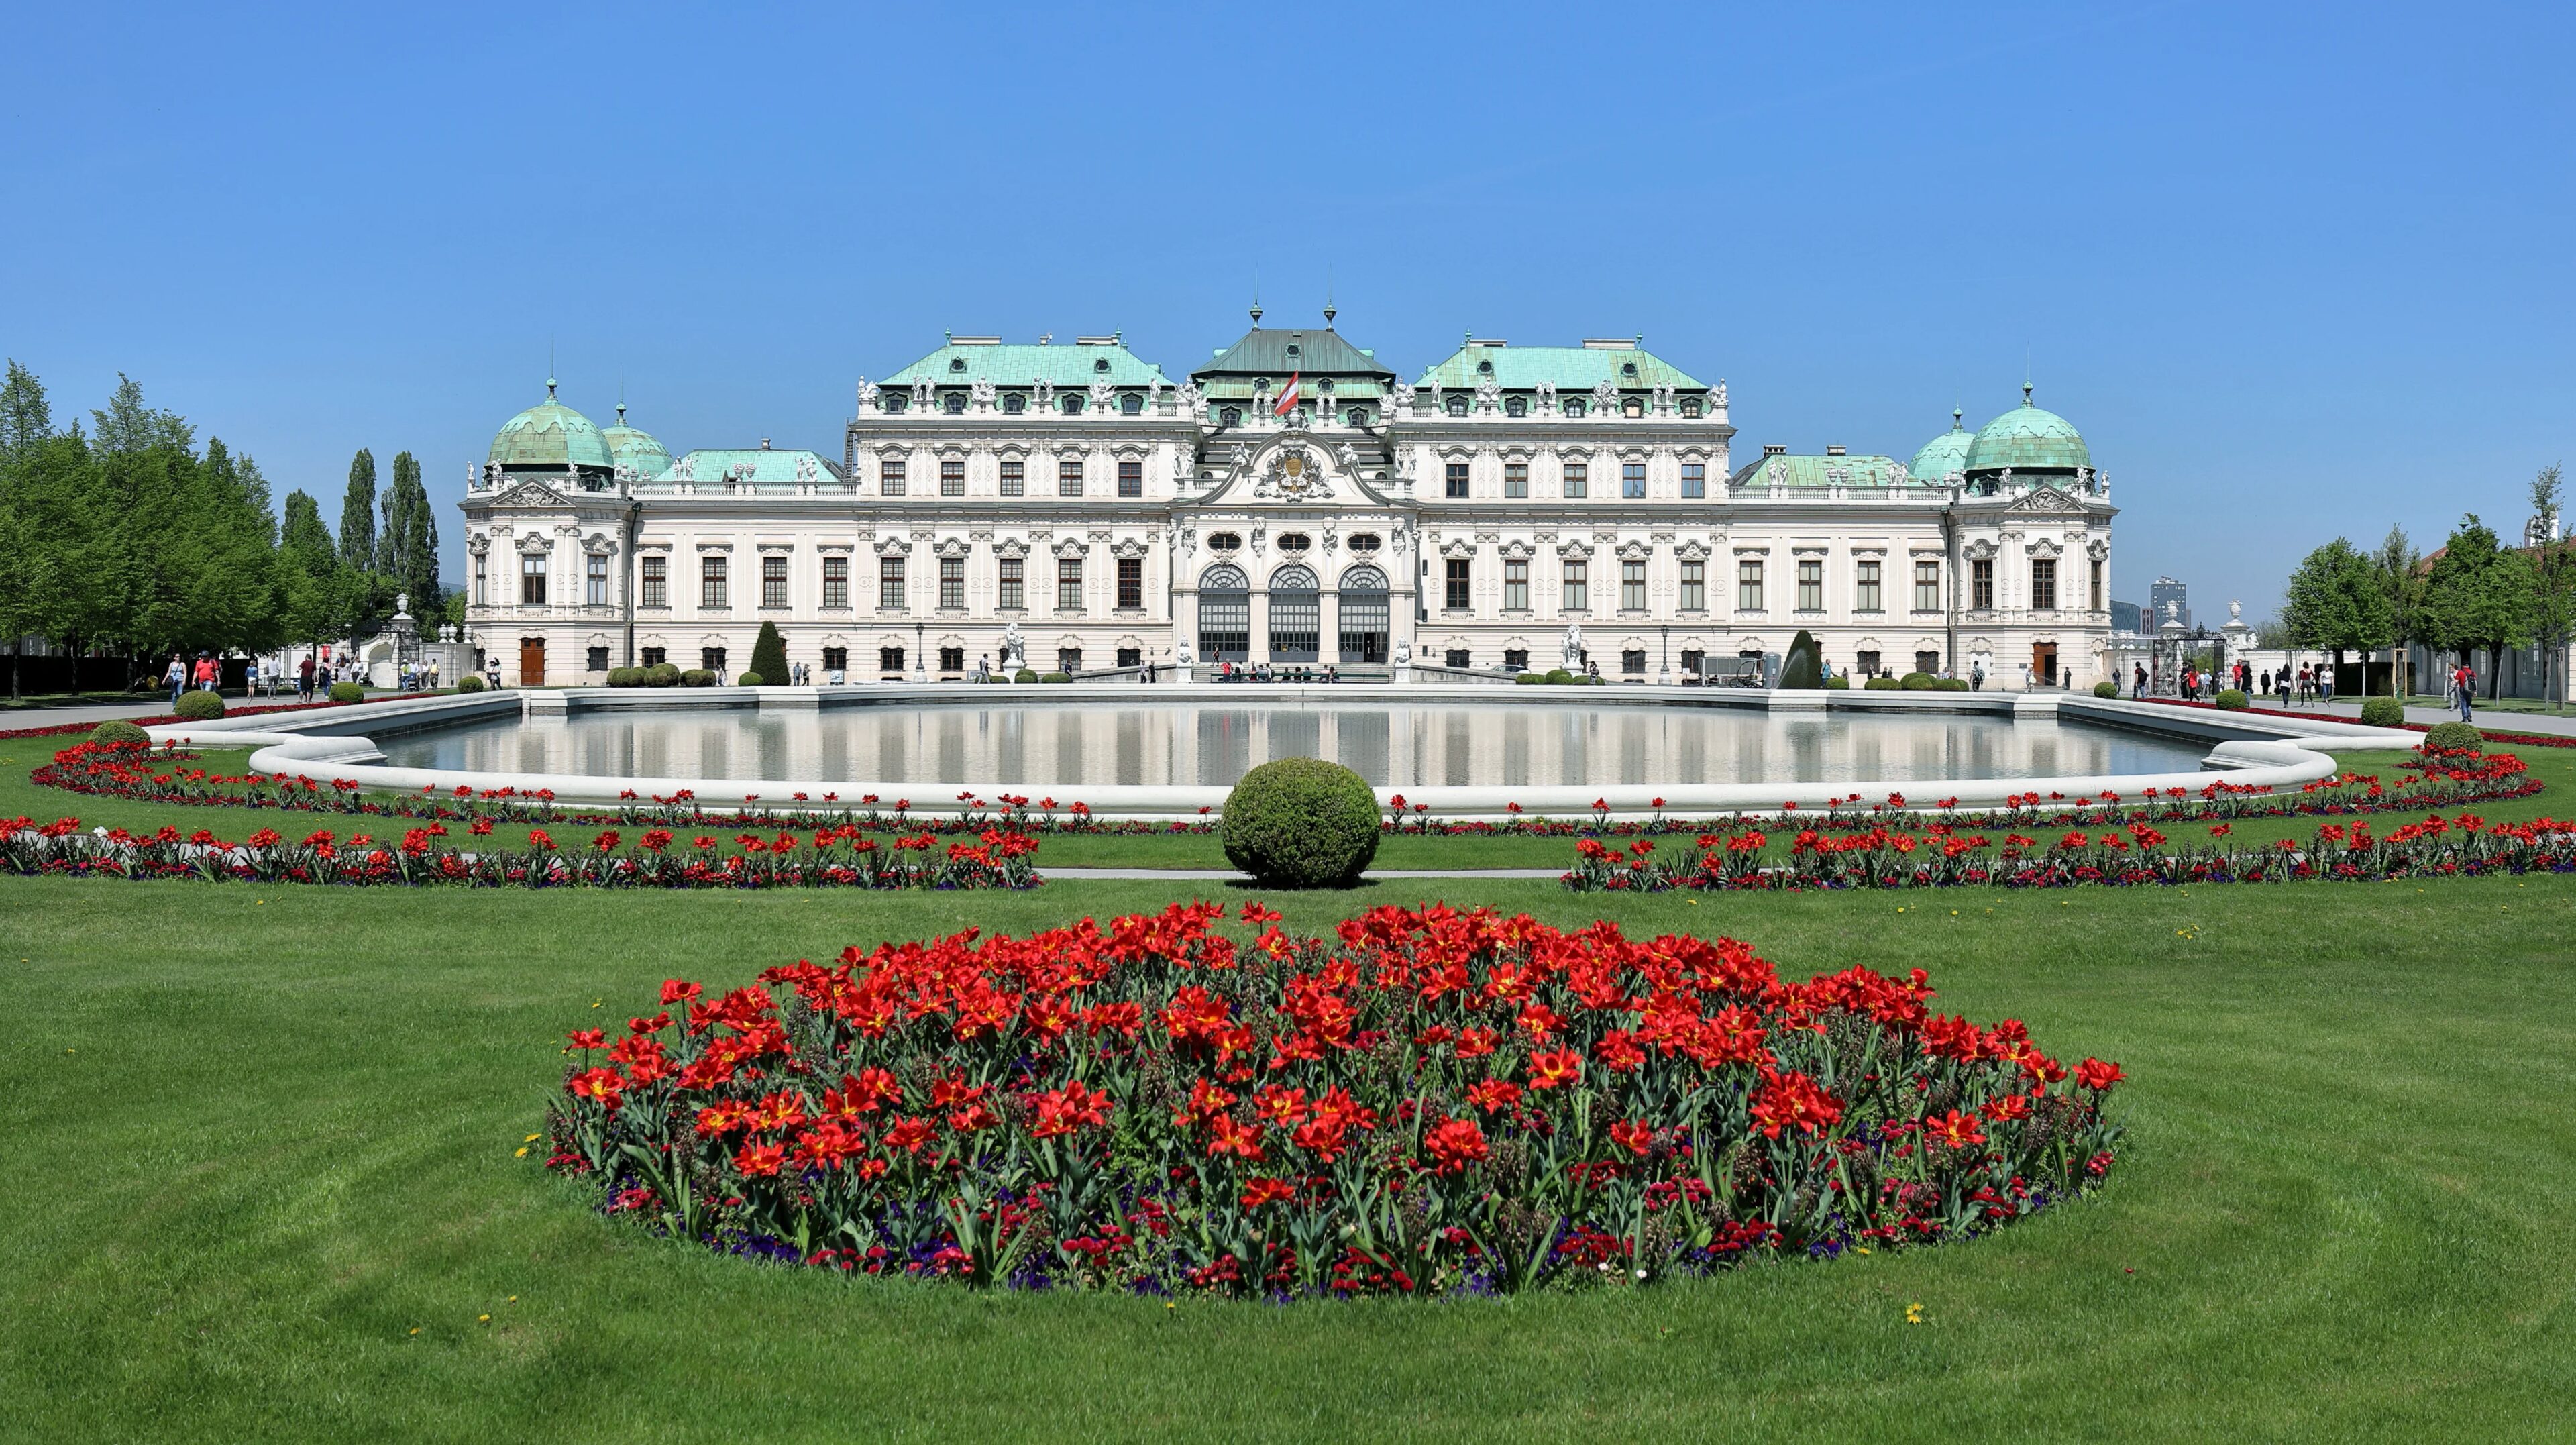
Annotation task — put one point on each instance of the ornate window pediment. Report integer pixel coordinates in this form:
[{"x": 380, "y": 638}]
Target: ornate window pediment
[
  {"x": 1980, "y": 550},
  {"x": 893, "y": 547},
  {"x": 1635, "y": 551},
  {"x": 535, "y": 542},
  {"x": 1458, "y": 547},
  {"x": 1129, "y": 547},
  {"x": 479, "y": 543},
  {"x": 1573, "y": 547},
  {"x": 2099, "y": 549},
  {"x": 950, "y": 547},
  {"x": 1070, "y": 547},
  {"x": 599, "y": 544},
  {"x": 2047, "y": 499},
  {"x": 1692, "y": 551},
  {"x": 529, "y": 494},
  {"x": 714, "y": 544},
  {"x": 1010, "y": 547},
  {"x": 2044, "y": 547},
  {"x": 1517, "y": 550}
]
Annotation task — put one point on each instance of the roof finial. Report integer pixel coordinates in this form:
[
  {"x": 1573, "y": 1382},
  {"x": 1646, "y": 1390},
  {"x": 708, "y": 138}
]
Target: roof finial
[
  {"x": 2025, "y": 391},
  {"x": 1256, "y": 310},
  {"x": 1958, "y": 419},
  {"x": 550, "y": 368},
  {"x": 550, "y": 388},
  {"x": 1329, "y": 312}
]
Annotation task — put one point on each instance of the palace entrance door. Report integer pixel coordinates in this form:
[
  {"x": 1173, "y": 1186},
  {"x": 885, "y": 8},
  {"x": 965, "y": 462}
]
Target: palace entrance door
[
  {"x": 2043, "y": 662},
  {"x": 532, "y": 662}
]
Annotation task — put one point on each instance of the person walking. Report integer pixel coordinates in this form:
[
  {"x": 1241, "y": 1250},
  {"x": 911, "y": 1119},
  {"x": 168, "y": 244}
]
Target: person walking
[
  {"x": 2325, "y": 687},
  {"x": 176, "y": 675},
  {"x": 2464, "y": 683},
  {"x": 304, "y": 679},
  {"x": 2138, "y": 682},
  {"x": 2281, "y": 682}
]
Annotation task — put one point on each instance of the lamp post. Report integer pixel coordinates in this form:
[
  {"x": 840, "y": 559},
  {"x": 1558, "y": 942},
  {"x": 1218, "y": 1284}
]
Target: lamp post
[{"x": 1664, "y": 668}]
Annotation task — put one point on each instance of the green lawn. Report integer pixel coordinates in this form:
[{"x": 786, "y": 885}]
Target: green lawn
[{"x": 262, "y": 1135}]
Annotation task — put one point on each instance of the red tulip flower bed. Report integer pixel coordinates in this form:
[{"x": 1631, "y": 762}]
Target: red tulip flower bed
[
  {"x": 1942, "y": 856},
  {"x": 1430, "y": 1102}
]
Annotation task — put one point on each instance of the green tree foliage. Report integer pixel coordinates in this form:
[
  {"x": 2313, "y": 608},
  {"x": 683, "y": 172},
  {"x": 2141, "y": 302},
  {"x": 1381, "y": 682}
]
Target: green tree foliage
[
  {"x": 129, "y": 426},
  {"x": 407, "y": 549},
  {"x": 769, "y": 655},
  {"x": 2335, "y": 602},
  {"x": 1803, "y": 667},
  {"x": 2478, "y": 595},
  {"x": 2553, "y": 578},
  {"x": 311, "y": 584},
  {"x": 358, "y": 513},
  {"x": 2399, "y": 569},
  {"x": 26, "y": 418}
]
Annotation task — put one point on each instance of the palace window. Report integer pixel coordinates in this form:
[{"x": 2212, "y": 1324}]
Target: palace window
[
  {"x": 1748, "y": 584},
  {"x": 713, "y": 660},
  {"x": 836, "y": 581},
  {"x": 773, "y": 581},
  {"x": 1012, "y": 599},
  {"x": 1632, "y": 661},
  {"x": 1131, "y": 479},
  {"x": 1517, "y": 406},
  {"x": 1516, "y": 584},
  {"x": 1131, "y": 582},
  {"x": 952, "y": 476},
  {"x": 890, "y": 659},
  {"x": 1632, "y": 406},
  {"x": 1927, "y": 662},
  {"x": 2094, "y": 597},
  {"x": 1577, "y": 575},
  {"x": 1981, "y": 584},
  {"x": 954, "y": 403},
  {"x": 1515, "y": 659},
  {"x": 657, "y": 582},
  {"x": 890, "y": 476},
  {"x": 1690, "y": 407},
  {"x": 1131, "y": 657},
  {"x": 597, "y": 661},
  {"x": 1692, "y": 657},
  {"x": 952, "y": 659},
  {"x": 836, "y": 659},
  {"x": 1070, "y": 403},
  {"x": 1068, "y": 477},
  {"x": 1068, "y": 660},
  {"x": 1133, "y": 404},
  {"x": 1694, "y": 586},
  {"x": 1573, "y": 406},
  {"x": 890, "y": 584},
  {"x": 478, "y": 579},
  {"x": 1458, "y": 405},
  {"x": 952, "y": 583},
  {"x": 1457, "y": 595},
  {"x": 1068, "y": 584},
  {"x": 1577, "y": 478},
  {"x": 595, "y": 581},
  {"x": 1927, "y": 586},
  {"x": 1014, "y": 404},
  {"x": 2043, "y": 584},
  {"x": 1865, "y": 588},
  {"x": 1230, "y": 416},
  {"x": 1694, "y": 480},
  {"x": 1456, "y": 657},
  {"x": 655, "y": 656},
  {"x": 1015, "y": 477},
  {"x": 1632, "y": 585},
  {"x": 532, "y": 579},
  {"x": 1632, "y": 480},
  {"x": 1865, "y": 663},
  {"x": 1515, "y": 479},
  {"x": 1811, "y": 584},
  {"x": 1457, "y": 479},
  {"x": 711, "y": 581}
]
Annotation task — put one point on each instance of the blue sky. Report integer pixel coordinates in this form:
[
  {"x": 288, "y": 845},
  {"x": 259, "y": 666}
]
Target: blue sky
[{"x": 2293, "y": 272}]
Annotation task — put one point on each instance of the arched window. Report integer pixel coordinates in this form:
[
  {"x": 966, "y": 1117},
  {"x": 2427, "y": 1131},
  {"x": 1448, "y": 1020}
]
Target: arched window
[
  {"x": 1014, "y": 404},
  {"x": 954, "y": 403},
  {"x": 1225, "y": 614},
  {"x": 1457, "y": 405},
  {"x": 1516, "y": 406},
  {"x": 1132, "y": 404},
  {"x": 1073, "y": 403},
  {"x": 1633, "y": 406},
  {"x": 1363, "y": 615},
  {"x": 1231, "y": 416},
  {"x": 1296, "y": 615},
  {"x": 1359, "y": 416}
]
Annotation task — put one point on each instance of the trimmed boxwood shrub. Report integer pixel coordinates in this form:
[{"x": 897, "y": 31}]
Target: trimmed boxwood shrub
[
  {"x": 1840, "y": 680},
  {"x": 118, "y": 732},
  {"x": 199, "y": 706},
  {"x": 2230, "y": 699},
  {"x": 2383, "y": 712},
  {"x": 1057, "y": 677},
  {"x": 1301, "y": 823},
  {"x": 1530, "y": 679},
  {"x": 662, "y": 674},
  {"x": 2106, "y": 688},
  {"x": 2449, "y": 736},
  {"x": 1802, "y": 670},
  {"x": 1559, "y": 676},
  {"x": 697, "y": 677},
  {"x": 1882, "y": 684},
  {"x": 347, "y": 692},
  {"x": 1917, "y": 682},
  {"x": 469, "y": 683},
  {"x": 626, "y": 677},
  {"x": 751, "y": 679},
  {"x": 1949, "y": 684},
  {"x": 1026, "y": 674}
]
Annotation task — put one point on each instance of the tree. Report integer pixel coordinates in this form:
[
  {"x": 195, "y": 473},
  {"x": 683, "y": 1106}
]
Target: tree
[
  {"x": 2334, "y": 603},
  {"x": 769, "y": 655},
  {"x": 2478, "y": 595},
  {"x": 2553, "y": 575},
  {"x": 407, "y": 552},
  {"x": 358, "y": 513},
  {"x": 26, "y": 418},
  {"x": 128, "y": 425},
  {"x": 2399, "y": 569}
]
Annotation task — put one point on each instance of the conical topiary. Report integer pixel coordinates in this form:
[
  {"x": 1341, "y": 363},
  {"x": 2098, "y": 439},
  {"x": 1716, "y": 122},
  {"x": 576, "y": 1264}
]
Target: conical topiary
[
  {"x": 1804, "y": 666},
  {"x": 769, "y": 655}
]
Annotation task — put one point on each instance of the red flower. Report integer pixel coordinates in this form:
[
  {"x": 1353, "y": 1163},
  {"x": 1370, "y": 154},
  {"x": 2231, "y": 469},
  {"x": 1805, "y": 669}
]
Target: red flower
[
  {"x": 1454, "y": 1144},
  {"x": 1258, "y": 1192},
  {"x": 1493, "y": 1095},
  {"x": 1793, "y": 1101},
  {"x": 1634, "y": 1135},
  {"x": 1225, "y": 1136},
  {"x": 1955, "y": 1129},
  {"x": 2098, "y": 1074},
  {"x": 604, "y": 1085},
  {"x": 1555, "y": 1070},
  {"x": 759, "y": 1159}
]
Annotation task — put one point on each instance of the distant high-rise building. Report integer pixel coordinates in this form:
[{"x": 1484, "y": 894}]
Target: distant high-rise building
[
  {"x": 2170, "y": 599},
  {"x": 2124, "y": 616}
]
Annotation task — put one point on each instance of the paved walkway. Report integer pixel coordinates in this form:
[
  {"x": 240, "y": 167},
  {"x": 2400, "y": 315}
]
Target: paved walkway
[
  {"x": 1228, "y": 875},
  {"x": 2495, "y": 718},
  {"x": 157, "y": 705}
]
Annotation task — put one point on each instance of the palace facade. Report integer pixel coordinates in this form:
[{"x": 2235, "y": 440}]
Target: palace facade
[{"x": 1294, "y": 501}]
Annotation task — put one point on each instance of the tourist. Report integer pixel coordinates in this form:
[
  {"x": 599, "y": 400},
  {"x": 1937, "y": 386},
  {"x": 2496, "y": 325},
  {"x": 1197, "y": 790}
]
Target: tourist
[
  {"x": 2465, "y": 683},
  {"x": 492, "y": 673},
  {"x": 1976, "y": 677},
  {"x": 205, "y": 673},
  {"x": 433, "y": 674},
  {"x": 177, "y": 677},
  {"x": 2138, "y": 681},
  {"x": 2325, "y": 686},
  {"x": 2281, "y": 682},
  {"x": 304, "y": 679}
]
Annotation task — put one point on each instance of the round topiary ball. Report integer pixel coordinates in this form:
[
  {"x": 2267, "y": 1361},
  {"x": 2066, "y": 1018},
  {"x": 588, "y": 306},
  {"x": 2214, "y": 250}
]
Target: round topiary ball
[
  {"x": 199, "y": 706},
  {"x": 751, "y": 679},
  {"x": 2383, "y": 712},
  {"x": 469, "y": 683},
  {"x": 1559, "y": 676},
  {"x": 2106, "y": 688},
  {"x": 2231, "y": 700},
  {"x": 1301, "y": 823},
  {"x": 347, "y": 692},
  {"x": 2449, "y": 737},
  {"x": 120, "y": 733}
]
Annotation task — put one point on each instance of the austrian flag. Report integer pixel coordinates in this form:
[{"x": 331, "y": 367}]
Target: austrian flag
[{"x": 1288, "y": 398}]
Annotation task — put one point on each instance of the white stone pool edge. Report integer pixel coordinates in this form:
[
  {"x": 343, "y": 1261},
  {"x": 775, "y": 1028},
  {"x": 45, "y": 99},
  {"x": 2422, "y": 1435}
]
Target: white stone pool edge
[{"x": 2246, "y": 750}]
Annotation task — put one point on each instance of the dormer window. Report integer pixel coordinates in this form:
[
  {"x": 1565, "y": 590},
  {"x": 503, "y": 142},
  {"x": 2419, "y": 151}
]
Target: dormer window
[
  {"x": 1073, "y": 403},
  {"x": 957, "y": 363},
  {"x": 896, "y": 401},
  {"x": 1231, "y": 416},
  {"x": 1102, "y": 364},
  {"x": 1014, "y": 404},
  {"x": 1132, "y": 404},
  {"x": 1325, "y": 386},
  {"x": 1485, "y": 367},
  {"x": 1516, "y": 406},
  {"x": 1359, "y": 416},
  {"x": 1574, "y": 406},
  {"x": 1457, "y": 406},
  {"x": 1690, "y": 408},
  {"x": 1292, "y": 348},
  {"x": 954, "y": 403},
  {"x": 1627, "y": 368},
  {"x": 1633, "y": 406}
]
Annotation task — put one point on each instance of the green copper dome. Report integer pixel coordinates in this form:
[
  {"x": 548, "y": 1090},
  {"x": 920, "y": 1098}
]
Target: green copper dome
[
  {"x": 635, "y": 448},
  {"x": 550, "y": 435},
  {"x": 1942, "y": 455},
  {"x": 2028, "y": 438}
]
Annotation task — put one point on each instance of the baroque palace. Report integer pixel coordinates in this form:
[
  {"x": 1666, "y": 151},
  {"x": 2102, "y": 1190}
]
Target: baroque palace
[{"x": 1296, "y": 502}]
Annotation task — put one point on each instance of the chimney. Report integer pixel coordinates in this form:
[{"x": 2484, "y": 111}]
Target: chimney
[{"x": 1775, "y": 451}]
